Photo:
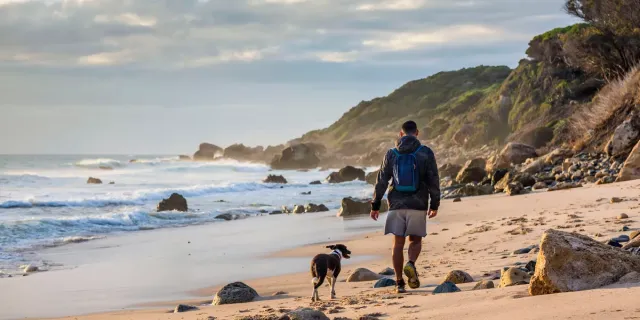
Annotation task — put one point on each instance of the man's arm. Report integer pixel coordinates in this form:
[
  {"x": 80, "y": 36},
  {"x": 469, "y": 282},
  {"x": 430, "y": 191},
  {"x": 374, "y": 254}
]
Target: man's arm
[
  {"x": 433, "y": 181},
  {"x": 382, "y": 182}
]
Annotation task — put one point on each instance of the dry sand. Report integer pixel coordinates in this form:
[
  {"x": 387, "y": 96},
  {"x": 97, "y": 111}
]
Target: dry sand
[{"x": 476, "y": 235}]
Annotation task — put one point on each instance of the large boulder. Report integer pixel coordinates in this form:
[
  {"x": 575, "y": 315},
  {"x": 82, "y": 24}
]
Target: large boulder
[
  {"x": 363, "y": 274},
  {"x": 207, "y": 152},
  {"x": 472, "y": 171},
  {"x": 93, "y": 180},
  {"x": 624, "y": 136},
  {"x": 274, "y": 179},
  {"x": 463, "y": 135},
  {"x": 355, "y": 207},
  {"x": 241, "y": 152},
  {"x": 372, "y": 177},
  {"x": 471, "y": 190},
  {"x": 449, "y": 170},
  {"x": 537, "y": 137},
  {"x": 574, "y": 262},
  {"x": 174, "y": 202},
  {"x": 512, "y": 154},
  {"x": 236, "y": 292},
  {"x": 631, "y": 168},
  {"x": 295, "y": 157},
  {"x": 557, "y": 156},
  {"x": 458, "y": 277},
  {"x": 346, "y": 174}
]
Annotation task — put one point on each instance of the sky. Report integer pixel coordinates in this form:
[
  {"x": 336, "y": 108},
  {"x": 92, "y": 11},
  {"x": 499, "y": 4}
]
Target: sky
[{"x": 161, "y": 76}]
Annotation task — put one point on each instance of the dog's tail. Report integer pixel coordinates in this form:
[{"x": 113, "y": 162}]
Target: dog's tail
[{"x": 319, "y": 273}]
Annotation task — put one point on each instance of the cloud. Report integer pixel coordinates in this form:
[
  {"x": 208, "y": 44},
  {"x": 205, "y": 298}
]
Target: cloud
[
  {"x": 452, "y": 35},
  {"x": 337, "y": 57},
  {"x": 392, "y": 5},
  {"x": 167, "y": 35}
]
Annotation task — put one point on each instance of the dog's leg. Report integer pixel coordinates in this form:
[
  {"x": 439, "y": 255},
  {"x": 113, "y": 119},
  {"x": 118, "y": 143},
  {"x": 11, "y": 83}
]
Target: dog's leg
[{"x": 332, "y": 280}]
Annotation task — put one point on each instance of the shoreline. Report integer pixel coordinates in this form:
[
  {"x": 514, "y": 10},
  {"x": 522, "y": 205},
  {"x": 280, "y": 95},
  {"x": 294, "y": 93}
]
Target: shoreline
[{"x": 476, "y": 235}]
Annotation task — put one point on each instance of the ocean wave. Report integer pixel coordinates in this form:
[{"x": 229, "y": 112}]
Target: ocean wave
[
  {"x": 48, "y": 232},
  {"x": 139, "y": 197},
  {"x": 97, "y": 163}
]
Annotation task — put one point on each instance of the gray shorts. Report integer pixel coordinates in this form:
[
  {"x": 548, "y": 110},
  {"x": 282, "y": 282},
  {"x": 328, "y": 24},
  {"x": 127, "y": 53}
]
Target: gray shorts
[{"x": 406, "y": 223}]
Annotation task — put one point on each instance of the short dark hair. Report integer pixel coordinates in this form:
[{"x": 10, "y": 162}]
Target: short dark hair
[{"x": 409, "y": 127}]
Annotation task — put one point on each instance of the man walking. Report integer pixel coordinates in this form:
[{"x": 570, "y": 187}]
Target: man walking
[{"x": 414, "y": 173}]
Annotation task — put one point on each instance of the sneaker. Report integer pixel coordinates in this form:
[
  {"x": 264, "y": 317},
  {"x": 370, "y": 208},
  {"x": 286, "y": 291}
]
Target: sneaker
[
  {"x": 412, "y": 275},
  {"x": 400, "y": 287}
]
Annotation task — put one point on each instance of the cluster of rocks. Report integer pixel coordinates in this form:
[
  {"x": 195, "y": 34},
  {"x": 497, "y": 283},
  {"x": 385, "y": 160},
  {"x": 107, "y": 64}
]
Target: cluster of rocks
[
  {"x": 298, "y": 209},
  {"x": 517, "y": 169}
]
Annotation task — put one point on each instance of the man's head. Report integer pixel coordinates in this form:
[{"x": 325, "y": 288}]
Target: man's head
[{"x": 409, "y": 128}]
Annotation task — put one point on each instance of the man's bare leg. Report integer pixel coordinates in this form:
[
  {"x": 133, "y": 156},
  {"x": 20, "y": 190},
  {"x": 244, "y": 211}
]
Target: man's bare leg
[
  {"x": 398, "y": 256},
  {"x": 415, "y": 246}
]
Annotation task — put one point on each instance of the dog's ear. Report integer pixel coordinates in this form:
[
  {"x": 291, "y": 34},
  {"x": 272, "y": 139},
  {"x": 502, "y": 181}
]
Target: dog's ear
[{"x": 331, "y": 247}]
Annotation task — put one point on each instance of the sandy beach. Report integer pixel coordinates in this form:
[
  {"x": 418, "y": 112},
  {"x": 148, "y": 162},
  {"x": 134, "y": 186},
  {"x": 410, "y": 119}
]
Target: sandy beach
[{"x": 477, "y": 235}]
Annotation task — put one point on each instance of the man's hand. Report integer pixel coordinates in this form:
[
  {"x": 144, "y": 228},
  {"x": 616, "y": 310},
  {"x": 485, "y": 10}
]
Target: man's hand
[
  {"x": 432, "y": 213},
  {"x": 374, "y": 215}
]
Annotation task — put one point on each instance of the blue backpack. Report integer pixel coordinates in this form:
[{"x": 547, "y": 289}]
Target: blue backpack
[{"x": 406, "y": 176}]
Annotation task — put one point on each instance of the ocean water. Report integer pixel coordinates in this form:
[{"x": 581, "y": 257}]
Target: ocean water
[{"x": 46, "y": 202}]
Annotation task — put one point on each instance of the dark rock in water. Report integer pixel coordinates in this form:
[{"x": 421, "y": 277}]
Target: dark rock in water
[
  {"x": 300, "y": 156},
  {"x": 354, "y": 207},
  {"x": 276, "y": 212},
  {"x": 306, "y": 193},
  {"x": 229, "y": 216},
  {"x": 531, "y": 266},
  {"x": 239, "y": 151},
  {"x": 484, "y": 284},
  {"x": 346, "y": 174},
  {"x": 446, "y": 287},
  {"x": 93, "y": 180},
  {"x": 449, "y": 170},
  {"x": 316, "y": 182},
  {"x": 298, "y": 209},
  {"x": 384, "y": 282},
  {"x": 105, "y": 168},
  {"x": 236, "y": 292},
  {"x": 305, "y": 314},
  {"x": 372, "y": 177},
  {"x": 183, "y": 157},
  {"x": 274, "y": 179},
  {"x": 614, "y": 244},
  {"x": 174, "y": 202},
  {"x": 112, "y": 182},
  {"x": 207, "y": 152},
  {"x": 387, "y": 272},
  {"x": 310, "y": 208},
  {"x": 622, "y": 238},
  {"x": 472, "y": 171},
  {"x": 184, "y": 308},
  {"x": 498, "y": 175}
]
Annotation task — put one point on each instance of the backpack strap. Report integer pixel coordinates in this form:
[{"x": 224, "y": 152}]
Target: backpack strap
[
  {"x": 420, "y": 147},
  {"x": 395, "y": 150}
]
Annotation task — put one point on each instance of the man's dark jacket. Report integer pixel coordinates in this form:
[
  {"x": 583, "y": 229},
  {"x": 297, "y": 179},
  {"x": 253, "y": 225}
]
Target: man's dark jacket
[{"x": 429, "y": 187}]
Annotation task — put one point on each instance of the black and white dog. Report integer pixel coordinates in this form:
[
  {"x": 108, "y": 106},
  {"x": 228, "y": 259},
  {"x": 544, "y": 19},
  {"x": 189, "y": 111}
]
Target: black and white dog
[{"x": 322, "y": 264}]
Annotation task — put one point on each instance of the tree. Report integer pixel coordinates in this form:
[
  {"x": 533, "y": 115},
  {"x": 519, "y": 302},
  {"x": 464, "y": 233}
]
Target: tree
[{"x": 612, "y": 46}]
